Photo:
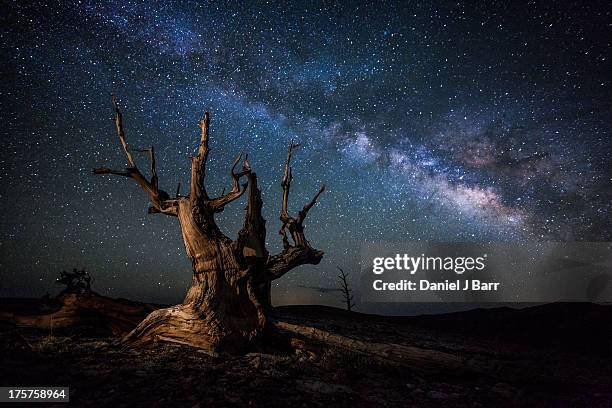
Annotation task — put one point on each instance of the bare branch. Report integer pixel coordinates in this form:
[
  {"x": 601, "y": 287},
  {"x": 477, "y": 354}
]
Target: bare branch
[
  {"x": 301, "y": 252},
  {"x": 286, "y": 183},
  {"x": 290, "y": 258},
  {"x": 236, "y": 192},
  {"x": 197, "y": 190},
  {"x": 167, "y": 211},
  {"x": 302, "y": 214},
  {"x": 151, "y": 151},
  {"x": 159, "y": 198},
  {"x": 121, "y": 133},
  {"x": 154, "y": 180},
  {"x": 106, "y": 170},
  {"x": 295, "y": 226},
  {"x": 346, "y": 291}
]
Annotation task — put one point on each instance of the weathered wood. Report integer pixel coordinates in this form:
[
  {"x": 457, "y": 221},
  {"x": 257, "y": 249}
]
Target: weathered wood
[
  {"x": 90, "y": 309},
  {"x": 295, "y": 225},
  {"x": 224, "y": 309},
  {"x": 517, "y": 369},
  {"x": 400, "y": 354}
]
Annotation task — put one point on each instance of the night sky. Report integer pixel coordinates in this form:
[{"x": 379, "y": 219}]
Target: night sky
[{"x": 436, "y": 121}]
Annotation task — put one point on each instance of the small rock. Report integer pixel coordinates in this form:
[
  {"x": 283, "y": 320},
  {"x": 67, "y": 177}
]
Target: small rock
[
  {"x": 503, "y": 389},
  {"x": 256, "y": 362},
  {"x": 437, "y": 395},
  {"x": 323, "y": 388}
]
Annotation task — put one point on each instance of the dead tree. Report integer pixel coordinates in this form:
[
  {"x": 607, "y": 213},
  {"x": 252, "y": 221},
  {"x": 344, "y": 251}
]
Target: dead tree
[
  {"x": 225, "y": 307},
  {"x": 346, "y": 291}
]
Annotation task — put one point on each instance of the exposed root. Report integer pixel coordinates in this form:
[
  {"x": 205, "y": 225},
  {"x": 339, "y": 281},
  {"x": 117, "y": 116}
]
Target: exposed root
[{"x": 180, "y": 325}]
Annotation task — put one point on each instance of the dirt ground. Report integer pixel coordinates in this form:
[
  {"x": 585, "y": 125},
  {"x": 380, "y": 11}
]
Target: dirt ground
[{"x": 100, "y": 372}]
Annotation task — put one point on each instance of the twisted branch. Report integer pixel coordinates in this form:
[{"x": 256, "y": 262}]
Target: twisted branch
[
  {"x": 300, "y": 252},
  {"x": 295, "y": 225},
  {"x": 250, "y": 246},
  {"x": 217, "y": 204},
  {"x": 159, "y": 198},
  {"x": 151, "y": 151}
]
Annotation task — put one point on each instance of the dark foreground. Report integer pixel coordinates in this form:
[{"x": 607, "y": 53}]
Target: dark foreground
[{"x": 553, "y": 355}]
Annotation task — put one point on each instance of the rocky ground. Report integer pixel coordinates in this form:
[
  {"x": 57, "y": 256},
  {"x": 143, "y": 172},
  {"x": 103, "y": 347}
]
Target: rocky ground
[{"x": 511, "y": 371}]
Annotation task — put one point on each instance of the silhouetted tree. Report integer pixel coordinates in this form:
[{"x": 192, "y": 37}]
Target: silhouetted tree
[
  {"x": 224, "y": 308},
  {"x": 346, "y": 291},
  {"x": 77, "y": 281}
]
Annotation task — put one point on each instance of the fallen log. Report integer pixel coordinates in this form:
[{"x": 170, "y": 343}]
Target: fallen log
[
  {"x": 118, "y": 316},
  {"x": 516, "y": 370},
  {"x": 397, "y": 353}
]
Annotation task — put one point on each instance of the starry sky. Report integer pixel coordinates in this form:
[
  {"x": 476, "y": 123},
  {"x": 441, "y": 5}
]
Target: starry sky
[{"x": 441, "y": 121}]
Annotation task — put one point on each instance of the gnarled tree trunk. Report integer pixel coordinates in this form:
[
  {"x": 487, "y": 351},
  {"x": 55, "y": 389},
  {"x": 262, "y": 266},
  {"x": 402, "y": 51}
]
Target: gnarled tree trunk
[{"x": 225, "y": 307}]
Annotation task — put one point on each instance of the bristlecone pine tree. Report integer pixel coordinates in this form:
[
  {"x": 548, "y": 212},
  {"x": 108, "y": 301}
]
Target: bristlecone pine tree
[{"x": 225, "y": 307}]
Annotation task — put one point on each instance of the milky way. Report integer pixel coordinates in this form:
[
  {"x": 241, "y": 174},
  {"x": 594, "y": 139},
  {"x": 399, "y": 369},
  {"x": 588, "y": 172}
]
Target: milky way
[{"x": 441, "y": 121}]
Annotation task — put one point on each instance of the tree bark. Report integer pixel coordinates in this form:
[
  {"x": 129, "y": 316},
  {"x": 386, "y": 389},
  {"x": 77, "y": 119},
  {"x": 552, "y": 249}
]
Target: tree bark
[
  {"x": 225, "y": 307},
  {"x": 89, "y": 309},
  {"x": 221, "y": 311}
]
